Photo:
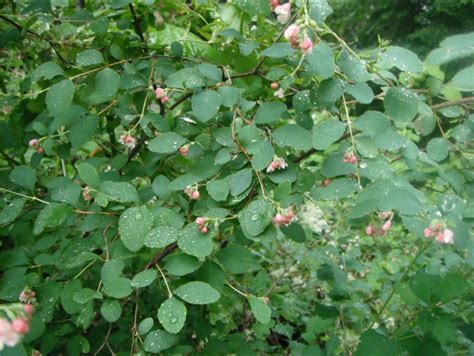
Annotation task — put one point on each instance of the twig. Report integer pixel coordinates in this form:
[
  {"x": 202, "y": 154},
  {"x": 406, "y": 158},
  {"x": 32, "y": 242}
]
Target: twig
[
  {"x": 236, "y": 290},
  {"x": 170, "y": 294},
  {"x": 349, "y": 124},
  {"x": 105, "y": 340},
  {"x": 162, "y": 254},
  {"x": 467, "y": 100}
]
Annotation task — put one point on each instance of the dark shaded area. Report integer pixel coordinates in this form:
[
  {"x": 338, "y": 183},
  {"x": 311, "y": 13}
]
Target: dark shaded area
[{"x": 419, "y": 25}]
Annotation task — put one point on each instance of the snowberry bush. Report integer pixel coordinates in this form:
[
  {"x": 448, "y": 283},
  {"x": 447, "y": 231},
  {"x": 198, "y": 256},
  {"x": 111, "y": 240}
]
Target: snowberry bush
[{"x": 187, "y": 177}]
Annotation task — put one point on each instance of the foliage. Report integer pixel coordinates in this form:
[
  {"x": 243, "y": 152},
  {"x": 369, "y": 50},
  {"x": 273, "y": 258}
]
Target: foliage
[
  {"x": 416, "y": 24},
  {"x": 182, "y": 177}
]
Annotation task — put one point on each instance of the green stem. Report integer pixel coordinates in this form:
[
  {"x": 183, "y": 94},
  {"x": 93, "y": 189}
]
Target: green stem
[{"x": 420, "y": 252}]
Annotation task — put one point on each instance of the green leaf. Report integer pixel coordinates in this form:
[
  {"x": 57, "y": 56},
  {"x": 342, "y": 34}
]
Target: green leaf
[
  {"x": 327, "y": 132},
  {"x": 270, "y": 112},
  {"x": 361, "y": 92},
  {"x": 145, "y": 326},
  {"x": 401, "y": 104},
  {"x": 111, "y": 269},
  {"x": 402, "y": 58},
  {"x": 183, "y": 181},
  {"x": 293, "y": 136},
  {"x": 464, "y": 79},
  {"x": 338, "y": 189},
  {"x": 83, "y": 130},
  {"x": 107, "y": 83},
  {"x": 263, "y": 154},
  {"x": 134, "y": 225},
  {"x": 434, "y": 288},
  {"x": 117, "y": 287},
  {"x": 230, "y": 95},
  {"x": 334, "y": 166},
  {"x": 23, "y": 176},
  {"x": 260, "y": 310},
  {"x": 11, "y": 211},
  {"x": 89, "y": 57},
  {"x": 210, "y": 71},
  {"x": 111, "y": 310},
  {"x": 59, "y": 97},
  {"x": 88, "y": 174},
  {"x": 353, "y": 67},
  {"x": 197, "y": 293},
  {"x": 372, "y": 123},
  {"x": 321, "y": 60},
  {"x": 159, "y": 340},
  {"x": 181, "y": 264},
  {"x": 144, "y": 278},
  {"x": 256, "y": 7},
  {"x": 84, "y": 296},
  {"x": 329, "y": 91},
  {"x": 438, "y": 149},
  {"x": 256, "y": 217},
  {"x": 302, "y": 101},
  {"x": 452, "y": 48},
  {"x": 375, "y": 344},
  {"x": 294, "y": 231},
  {"x": 206, "y": 104},
  {"x": 319, "y": 10},
  {"x": 122, "y": 192},
  {"x": 237, "y": 259},
  {"x": 172, "y": 315},
  {"x": 161, "y": 237},
  {"x": 278, "y": 50},
  {"x": 218, "y": 189},
  {"x": 240, "y": 181},
  {"x": 194, "y": 242},
  {"x": 160, "y": 187},
  {"x": 52, "y": 215},
  {"x": 47, "y": 70},
  {"x": 168, "y": 142}
]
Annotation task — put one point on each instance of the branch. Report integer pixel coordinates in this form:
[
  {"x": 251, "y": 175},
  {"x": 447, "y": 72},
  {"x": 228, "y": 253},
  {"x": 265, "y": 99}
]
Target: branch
[
  {"x": 136, "y": 24},
  {"x": 446, "y": 104},
  {"x": 162, "y": 254}
]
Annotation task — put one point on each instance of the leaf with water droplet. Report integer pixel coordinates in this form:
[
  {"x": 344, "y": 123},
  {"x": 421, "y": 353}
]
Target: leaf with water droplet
[
  {"x": 159, "y": 340},
  {"x": 134, "y": 224},
  {"x": 144, "y": 278},
  {"x": 161, "y": 236},
  {"x": 194, "y": 242},
  {"x": 256, "y": 217},
  {"x": 197, "y": 293},
  {"x": 172, "y": 315}
]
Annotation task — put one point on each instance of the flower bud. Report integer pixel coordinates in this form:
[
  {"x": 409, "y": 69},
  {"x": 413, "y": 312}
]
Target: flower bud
[
  {"x": 20, "y": 326},
  {"x": 164, "y": 99},
  {"x": 34, "y": 143},
  {"x": 387, "y": 225},
  {"x": 428, "y": 232},
  {"x": 274, "y": 85},
  {"x": 306, "y": 45},
  {"x": 200, "y": 220},
  {"x": 159, "y": 93},
  {"x": 204, "y": 229}
]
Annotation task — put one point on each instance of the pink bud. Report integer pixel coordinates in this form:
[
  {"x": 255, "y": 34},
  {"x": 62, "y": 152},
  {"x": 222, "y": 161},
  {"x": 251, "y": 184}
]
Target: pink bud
[
  {"x": 200, "y": 220},
  {"x": 283, "y": 12},
  {"x": 274, "y": 85},
  {"x": 440, "y": 237},
  {"x": 274, "y": 3},
  {"x": 20, "y": 325},
  {"x": 34, "y": 143},
  {"x": 326, "y": 182},
  {"x": 164, "y": 99},
  {"x": 292, "y": 32},
  {"x": 278, "y": 219},
  {"x": 29, "y": 309},
  {"x": 159, "y": 93},
  {"x": 428, "y": 232},
  {"x": 387, "y": 225},
  {"x": 353, "y": 159},
  {"x": 39, "y": 150},
  {"x": 448, "y": 236},
  {"x": 204, "y": 229},
  {"x": 195, "y": 195},
  {"x": 370, "y": 230},
  {"x": 306, "y": 46}
]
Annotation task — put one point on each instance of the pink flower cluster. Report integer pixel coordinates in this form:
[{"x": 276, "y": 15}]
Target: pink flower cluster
[
  {"x": 443, "y": 235},
  {"x": 373, "y": 230},
  {"x": 11, "y": 331},
  {"x": 192, "y": 193},
  {"x": 27, "y": 296},
  {"x": 349, "y": 157},
  {"x": 127, "y": 140},
  {"x": 284, "y": 218},
  {"x": 278, "y": 163},
  {"x": 161, "y": 95},
  {"x": 202, "y": 224},
  {"x": 292, "y": 35},
  {"x": 35, "y": 144}
]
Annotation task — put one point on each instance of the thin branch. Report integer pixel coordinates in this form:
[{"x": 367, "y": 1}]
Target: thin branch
[
  {"x": 446, "y": 104},
  {"x": 170, "y": 294},
  {"x": 236, "y": 290},
  {"x": 162, "y": 254}
]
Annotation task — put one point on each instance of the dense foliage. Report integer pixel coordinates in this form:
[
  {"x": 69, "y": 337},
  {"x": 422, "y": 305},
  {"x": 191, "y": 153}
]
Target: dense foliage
[{"x": 231, "y": 177}]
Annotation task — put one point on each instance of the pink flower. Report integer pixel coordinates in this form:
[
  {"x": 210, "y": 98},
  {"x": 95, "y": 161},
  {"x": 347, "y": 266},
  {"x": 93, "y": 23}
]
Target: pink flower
[
  {"x": 387, "y": 225},
  {"x": 283, "y": 12},
  {"x": 428, "y": 232},
  {"x": 278, "y": 219},
  {"x": 195, "y": 195},
  {"x": 306, "y": 46},
  {"x": 274, "y": 85},
  {"x": 200, "y": 220},
  {"x": 349, "y": 158},
  {"x": 370, "y": 230},
  {"x": 204, "y": 229},
  {"x": 280, "y": 93},
  {"x": 292, "y": 32},
  {"x": 8, "y": 336},
  {"x": 184, "y": 150},
  {"x": 159, "y": 93},
  {"x": 34, "y": 143},
  {"x": 277, "y": 163},
  {"x": 20, "y": 325},
  {"x": 29, "y": 309},
  {"x": 127, "y": 140},
  {"x": 274, "y": 3},
  {"x": 164, "y": 99},
  {"x": 445, "y": 237},
  {"x": 284, "y": 219}
]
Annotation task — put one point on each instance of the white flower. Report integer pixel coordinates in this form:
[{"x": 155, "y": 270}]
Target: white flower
[
  {"x": 279, "y": 93},
  {"x": 283, "y": 12},
  {"x": 8, "y": 336}
]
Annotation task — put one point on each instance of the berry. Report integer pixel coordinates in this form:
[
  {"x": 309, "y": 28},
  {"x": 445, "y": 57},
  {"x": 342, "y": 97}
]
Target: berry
[
  {"x": 29, "y": 309},
  {"x": 274, "y": 85},
  {"x": 204, "y": 229},
  {"x": 159, "y": 93},
  {"x": 164, "y": 99},
  {"x": 370, "y": 230},
  {"x": 200, "y": 220},
  {"x": 195, "y": 195}
]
